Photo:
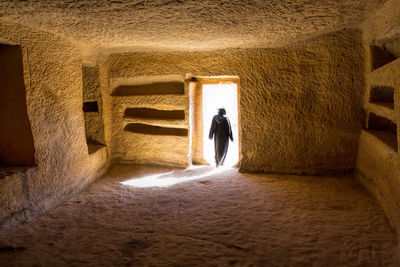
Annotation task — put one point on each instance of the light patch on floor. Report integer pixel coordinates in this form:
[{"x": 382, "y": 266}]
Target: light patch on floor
[
  {"x": 227, "y": 218},
  {"x": 166, "y": 179}
]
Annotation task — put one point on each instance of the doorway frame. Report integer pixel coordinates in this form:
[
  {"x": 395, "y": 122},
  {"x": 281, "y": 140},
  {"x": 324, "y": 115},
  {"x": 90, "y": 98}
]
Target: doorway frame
[{"x": 197, "y": 146}]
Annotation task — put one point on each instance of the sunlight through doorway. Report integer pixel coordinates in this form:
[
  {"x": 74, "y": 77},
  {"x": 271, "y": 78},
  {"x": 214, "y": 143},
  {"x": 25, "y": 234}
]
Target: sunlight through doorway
[{"x": 217, "y": 96}]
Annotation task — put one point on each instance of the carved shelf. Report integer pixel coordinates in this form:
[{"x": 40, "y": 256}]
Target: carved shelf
[
  {"x": 141, "y": 128},
  {"x": 156, "y": 88}
]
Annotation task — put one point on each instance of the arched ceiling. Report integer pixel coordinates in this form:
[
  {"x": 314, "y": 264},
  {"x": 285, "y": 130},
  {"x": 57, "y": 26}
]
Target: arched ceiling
[{"x": 188, "y": 24}]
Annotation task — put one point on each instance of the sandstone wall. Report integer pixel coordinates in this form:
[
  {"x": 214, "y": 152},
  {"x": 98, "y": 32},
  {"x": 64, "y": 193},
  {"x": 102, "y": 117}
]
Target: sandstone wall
[
  {"x": 150, "y": 139},
  {"x": 378, "y": 160},
  {"x": 52, "y": 72},
  {"x": 300, "y": 106},
  {"x": 92, "y": 107}
]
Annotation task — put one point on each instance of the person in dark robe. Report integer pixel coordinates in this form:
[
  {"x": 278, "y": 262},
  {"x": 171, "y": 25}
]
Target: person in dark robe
[{"x": 221, "y": 131}]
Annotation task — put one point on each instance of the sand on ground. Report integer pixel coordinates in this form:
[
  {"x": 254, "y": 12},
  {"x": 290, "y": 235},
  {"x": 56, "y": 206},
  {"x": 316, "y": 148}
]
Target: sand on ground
[{"x": 155, "y": 216}]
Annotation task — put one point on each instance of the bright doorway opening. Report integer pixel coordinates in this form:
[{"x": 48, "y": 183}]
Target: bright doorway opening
[{"x": 217, "y": 96}]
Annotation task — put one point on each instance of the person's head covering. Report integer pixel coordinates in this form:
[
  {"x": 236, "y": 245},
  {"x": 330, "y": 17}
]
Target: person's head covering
[{"x": 221, "y": 111}]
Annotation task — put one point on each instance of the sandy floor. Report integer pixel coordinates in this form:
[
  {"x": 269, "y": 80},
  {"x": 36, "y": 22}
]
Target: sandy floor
[{"x": 207, "y": 218}]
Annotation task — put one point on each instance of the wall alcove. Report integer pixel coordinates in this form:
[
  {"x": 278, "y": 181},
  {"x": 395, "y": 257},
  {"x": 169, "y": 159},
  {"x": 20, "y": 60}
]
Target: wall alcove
[
  {"x": 380, "y": 56},
  {"x": 383, "y": 129},
  {"x": 154, "y": 114},
  {"x": 155, "y": 88},
  {"x": 94, "y": 126},
  {"x": 16, "y": 140},
  {"x": 382, "y": 95},
  {"x": 142, "y": 128}
]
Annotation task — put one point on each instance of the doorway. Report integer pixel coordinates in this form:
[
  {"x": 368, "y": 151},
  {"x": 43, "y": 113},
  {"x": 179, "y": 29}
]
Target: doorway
[{"x": 215, "y": 96}]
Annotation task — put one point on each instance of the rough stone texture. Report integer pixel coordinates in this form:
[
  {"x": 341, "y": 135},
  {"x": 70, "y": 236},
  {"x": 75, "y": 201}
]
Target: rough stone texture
[
  {"x": 378, "y": 161},
  {"x": 207, "y": 218},
  {"x": 188, "y": 24},
  {"x": 127, "y": 146},
  {"x": 107, "y": 102},
  {"x": 384, "y": 24},
  {"x": 300, "y": 106},
  {"x": 378, "y": 164},
  {"x": 53, "y": 80},
  {"x": 197, "y": 123},
  {"x": 94, "y": 127}
]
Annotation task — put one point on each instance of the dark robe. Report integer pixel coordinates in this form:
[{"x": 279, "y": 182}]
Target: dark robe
[{"x": 221, "y": 131}]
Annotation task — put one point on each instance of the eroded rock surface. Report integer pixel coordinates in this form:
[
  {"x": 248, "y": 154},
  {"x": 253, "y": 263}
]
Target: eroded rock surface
[
  {"x": 212, "y": 219},
  {"x": 188, "y": 24}
]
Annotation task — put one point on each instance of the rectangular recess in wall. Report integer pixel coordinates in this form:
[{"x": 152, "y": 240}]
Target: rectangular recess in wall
[
  {"x": 154, "y": 130},
  {"x": 154, "y": 114},
  {"x": 90, "y": 106},
  {"x": 384, "y": 129},
  {"x": 16, "y": 140},
  {"x": 383, "y": 95},
  {"x": 380, "y": 57},
  {"x": 157, "y": 88}
]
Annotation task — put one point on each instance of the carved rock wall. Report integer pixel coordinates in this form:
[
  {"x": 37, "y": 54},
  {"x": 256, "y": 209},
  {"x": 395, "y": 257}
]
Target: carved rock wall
[
  {"x": 52, "y": 70},
  {"x": 378, "y": 160},
  {"x": 300, "y": 106}
]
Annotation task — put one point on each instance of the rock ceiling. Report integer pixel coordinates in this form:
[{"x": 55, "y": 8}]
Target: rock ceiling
[{"x": 187, "y": 24}]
